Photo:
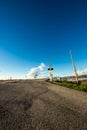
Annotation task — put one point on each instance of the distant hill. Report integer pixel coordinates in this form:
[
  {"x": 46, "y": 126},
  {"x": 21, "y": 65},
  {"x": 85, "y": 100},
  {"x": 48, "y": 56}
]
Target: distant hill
[
  {"x": 83, "y": 76},
  {"x": 80, "y": 76}
]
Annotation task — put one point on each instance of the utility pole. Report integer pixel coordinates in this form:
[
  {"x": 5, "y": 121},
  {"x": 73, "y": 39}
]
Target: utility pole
[
  {"x": 74, "y": 66},
  {"x": 50, "y": 71}
]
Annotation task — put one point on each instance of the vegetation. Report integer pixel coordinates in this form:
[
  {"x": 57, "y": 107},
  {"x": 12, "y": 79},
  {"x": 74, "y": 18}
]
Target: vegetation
[{"x": 75, "y": 86}]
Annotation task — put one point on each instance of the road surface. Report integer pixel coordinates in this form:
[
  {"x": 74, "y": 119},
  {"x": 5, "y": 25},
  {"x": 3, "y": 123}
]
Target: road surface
[{"x": 39, "y": 105}]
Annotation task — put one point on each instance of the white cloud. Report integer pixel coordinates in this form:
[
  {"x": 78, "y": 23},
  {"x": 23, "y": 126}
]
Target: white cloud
[
  {"x": 42, "y": 66},
  {"x": 36, "y": 71},
  {"x": 43, "y": 74},
  {"x": 82, "y": 72}
]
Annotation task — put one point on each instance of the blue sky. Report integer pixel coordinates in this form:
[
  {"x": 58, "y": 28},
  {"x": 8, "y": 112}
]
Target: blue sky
[{"x": 33, "y": 30}]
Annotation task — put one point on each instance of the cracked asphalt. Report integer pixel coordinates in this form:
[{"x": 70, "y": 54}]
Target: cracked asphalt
[{"x": 39, "y": 105}]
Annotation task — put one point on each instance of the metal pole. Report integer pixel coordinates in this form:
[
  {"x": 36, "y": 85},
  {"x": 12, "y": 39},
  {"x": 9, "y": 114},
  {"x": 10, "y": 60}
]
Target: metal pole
[
  {"x": 50, "y": 70},
  {"x": 51, "y": 76}
]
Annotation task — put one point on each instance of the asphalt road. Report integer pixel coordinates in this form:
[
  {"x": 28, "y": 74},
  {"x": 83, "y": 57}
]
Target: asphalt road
[{"x": 38, "y": 105}]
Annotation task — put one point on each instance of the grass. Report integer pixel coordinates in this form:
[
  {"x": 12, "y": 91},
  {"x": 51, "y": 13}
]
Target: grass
[{"x": 75, "y": 86}]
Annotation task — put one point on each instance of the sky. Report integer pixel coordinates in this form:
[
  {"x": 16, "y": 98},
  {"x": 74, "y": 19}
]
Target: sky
[{"x": 35, "y": 32}]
